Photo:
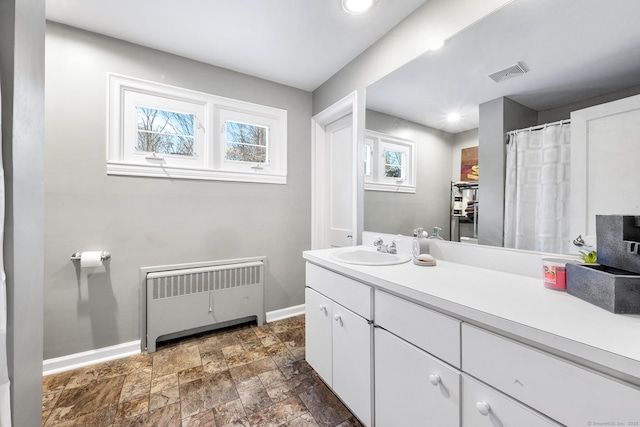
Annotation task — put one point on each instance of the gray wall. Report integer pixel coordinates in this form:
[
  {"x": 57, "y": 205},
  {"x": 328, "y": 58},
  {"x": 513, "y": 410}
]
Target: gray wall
[
  {"x": 564, "y": 112},
  {"x": 401, "y": 213},
  {"x": 150, "y": 221},
  {"x": 497, "y": 117},
  {"x": 22, "y": 79}
]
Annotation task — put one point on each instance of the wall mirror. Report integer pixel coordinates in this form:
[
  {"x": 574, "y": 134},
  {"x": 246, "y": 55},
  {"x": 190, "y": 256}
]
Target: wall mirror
[{"x": 574, "y": 53}]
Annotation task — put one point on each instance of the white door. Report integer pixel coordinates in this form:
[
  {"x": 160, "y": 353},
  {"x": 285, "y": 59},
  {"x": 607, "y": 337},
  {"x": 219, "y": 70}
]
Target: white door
[
  {"x": 339, "y": 182},
  {"x": 413, "y": 388},
  {"x": 604, "y": 157},
  {"x": 352, "y": 346},
  {"x": 337, "y": 176}
]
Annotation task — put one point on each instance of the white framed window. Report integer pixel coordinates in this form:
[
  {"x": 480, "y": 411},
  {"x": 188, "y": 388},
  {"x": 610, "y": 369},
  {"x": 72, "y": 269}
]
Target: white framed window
[
  {"x": 164, "y": 131},
  {"x": 389, "y": 163},
  {"x": 247, "y": 140}
]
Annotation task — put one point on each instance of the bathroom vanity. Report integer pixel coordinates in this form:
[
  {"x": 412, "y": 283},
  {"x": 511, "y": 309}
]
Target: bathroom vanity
[{"x": 463, "y": 345}]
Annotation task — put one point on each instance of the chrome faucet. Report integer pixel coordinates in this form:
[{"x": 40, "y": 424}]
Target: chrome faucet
[{"x": 389, "y": 249}]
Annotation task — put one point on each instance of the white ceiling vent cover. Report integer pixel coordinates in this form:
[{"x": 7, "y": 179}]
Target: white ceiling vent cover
[{"x": 507, "y": 73}]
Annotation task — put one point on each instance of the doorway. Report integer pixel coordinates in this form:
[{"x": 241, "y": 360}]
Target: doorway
[{"x": 334, "y": 176}]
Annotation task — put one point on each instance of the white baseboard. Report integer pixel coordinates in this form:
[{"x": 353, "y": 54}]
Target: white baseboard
[
  {"x": 86, "y": 358},
  {"x": 283, "y": 313}
]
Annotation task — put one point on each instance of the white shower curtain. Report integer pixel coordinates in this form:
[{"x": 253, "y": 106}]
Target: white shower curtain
[
  {"x": 537, "y": 188},
  {"x": 5, "y": 401}
]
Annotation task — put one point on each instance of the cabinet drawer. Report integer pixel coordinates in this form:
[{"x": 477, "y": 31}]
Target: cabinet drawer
[
  {"x": 433, "y": 332},
  {"x": 558, "y": 388},
  {"x": 354, "y": 295},
  {"x": 483, "y": 406}
]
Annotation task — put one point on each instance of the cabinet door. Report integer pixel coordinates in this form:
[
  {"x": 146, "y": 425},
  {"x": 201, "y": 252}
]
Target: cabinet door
[
  {"x": 318, "y": 334},
  {"x": 352, "y": 346},
  {"x": 413, "y": 388}
]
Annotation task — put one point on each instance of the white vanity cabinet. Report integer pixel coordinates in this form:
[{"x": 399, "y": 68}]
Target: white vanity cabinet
[
  {"x": 413, "y": 388},
  {"x": 464, "y": 347},
  {"x": 339, "y": 337}
]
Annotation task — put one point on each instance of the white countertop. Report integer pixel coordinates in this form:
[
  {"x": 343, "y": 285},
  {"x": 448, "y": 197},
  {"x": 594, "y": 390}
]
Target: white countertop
[{"x": 515, "y": 305}]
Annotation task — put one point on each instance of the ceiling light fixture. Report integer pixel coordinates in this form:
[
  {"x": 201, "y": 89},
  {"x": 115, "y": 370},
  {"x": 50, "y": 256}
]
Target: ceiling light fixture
[
  {"x": 356, "y": 7},
  {"x": 453, "y": 117}
]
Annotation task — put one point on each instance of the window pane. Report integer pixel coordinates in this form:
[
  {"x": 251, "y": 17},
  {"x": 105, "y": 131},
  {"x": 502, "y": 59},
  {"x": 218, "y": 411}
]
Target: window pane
[
  {"x": 393, "y": 164},
  {"x": 367, "y": 160},
  {"x": 246, "y": 143},
  {"x": 165, "y": 132}
]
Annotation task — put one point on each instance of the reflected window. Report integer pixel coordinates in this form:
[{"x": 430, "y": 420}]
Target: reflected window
[
  {"x": 393, "y": 164},
  {"x": 389, "y": 163},
  {"x": 368, "y": 155}
]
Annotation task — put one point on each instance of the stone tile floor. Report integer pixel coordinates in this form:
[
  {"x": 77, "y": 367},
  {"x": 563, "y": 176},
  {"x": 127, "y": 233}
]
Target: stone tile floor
[{"x": 245, "y": 376}]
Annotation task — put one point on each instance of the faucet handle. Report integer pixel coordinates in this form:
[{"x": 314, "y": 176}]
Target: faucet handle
[{"x": 378, "y": 241}]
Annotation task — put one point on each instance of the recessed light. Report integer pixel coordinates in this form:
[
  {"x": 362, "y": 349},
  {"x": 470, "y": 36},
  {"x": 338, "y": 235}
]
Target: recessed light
[
  {"x": 453, "y": 117},
  {"x": 357, "y": 6}
]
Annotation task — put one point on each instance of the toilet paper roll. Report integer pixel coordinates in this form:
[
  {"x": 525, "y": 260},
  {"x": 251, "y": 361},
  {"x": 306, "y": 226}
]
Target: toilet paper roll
[{"x": 91, "y": 259}]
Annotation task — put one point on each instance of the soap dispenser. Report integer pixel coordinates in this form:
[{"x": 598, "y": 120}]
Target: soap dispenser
[
  {"x": 436, "y": 233},
  {"x": 420, "y": 242}
]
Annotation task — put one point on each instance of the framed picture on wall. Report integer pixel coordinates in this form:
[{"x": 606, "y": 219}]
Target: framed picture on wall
[{"x": 469, "y": 164}]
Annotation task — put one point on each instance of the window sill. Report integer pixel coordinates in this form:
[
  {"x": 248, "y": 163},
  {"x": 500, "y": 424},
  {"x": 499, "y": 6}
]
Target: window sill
[
  {"x": 173, "y": 172},
  {"x": 391, "y": 188}
]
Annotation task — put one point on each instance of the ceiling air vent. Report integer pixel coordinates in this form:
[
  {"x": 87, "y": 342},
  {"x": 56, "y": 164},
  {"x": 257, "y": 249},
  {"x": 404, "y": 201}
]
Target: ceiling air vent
[{"x": 507, "y": 73}]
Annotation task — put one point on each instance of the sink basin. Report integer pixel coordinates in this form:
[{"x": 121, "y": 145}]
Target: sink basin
[{"x": 362, "y": 256}]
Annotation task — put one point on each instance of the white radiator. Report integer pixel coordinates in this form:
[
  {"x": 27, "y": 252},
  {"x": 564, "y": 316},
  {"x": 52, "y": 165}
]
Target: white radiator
[{"x": 182, "y": 300}]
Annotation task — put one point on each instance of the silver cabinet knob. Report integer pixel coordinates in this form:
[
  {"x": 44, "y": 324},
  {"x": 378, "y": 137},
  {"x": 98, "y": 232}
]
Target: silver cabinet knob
[{"x": 323, "y": 307}]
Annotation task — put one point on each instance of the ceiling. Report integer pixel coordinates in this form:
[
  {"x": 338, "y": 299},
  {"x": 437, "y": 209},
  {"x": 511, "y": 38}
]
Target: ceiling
[
  {"x": 573, "y": 50},
  {"x": 293, "y": 42}
]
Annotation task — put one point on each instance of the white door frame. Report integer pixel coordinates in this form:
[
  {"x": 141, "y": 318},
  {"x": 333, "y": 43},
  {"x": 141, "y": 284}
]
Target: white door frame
[{"x": 347, "y": 105}]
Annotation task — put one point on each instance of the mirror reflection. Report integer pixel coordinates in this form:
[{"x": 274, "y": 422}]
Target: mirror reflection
[{"x": 527, "y": 65}]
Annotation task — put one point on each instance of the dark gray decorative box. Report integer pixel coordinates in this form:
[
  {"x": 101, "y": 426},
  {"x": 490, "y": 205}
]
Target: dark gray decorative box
[
  {"x": 613, "y": 283},
  {"x": 609, "y": 288}
]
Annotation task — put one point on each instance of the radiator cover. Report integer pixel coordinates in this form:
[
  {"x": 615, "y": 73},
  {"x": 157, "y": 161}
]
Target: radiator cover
[{"x": 192, "y": 299}]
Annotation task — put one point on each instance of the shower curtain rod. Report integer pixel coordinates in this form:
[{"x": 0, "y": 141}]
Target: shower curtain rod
[{"x": 538, "y": 127}]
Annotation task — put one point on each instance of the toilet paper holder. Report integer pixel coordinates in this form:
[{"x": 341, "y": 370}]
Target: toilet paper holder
[{"x": 77, "y": 255}]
